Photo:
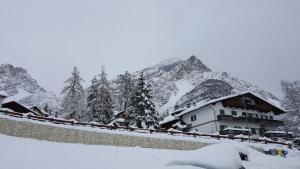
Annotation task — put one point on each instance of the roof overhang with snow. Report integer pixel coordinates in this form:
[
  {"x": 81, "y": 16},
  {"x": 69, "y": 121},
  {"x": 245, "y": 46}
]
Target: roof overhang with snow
[
  {"x": 265, "y": 106},
  {"x": 17, "y": 107}
]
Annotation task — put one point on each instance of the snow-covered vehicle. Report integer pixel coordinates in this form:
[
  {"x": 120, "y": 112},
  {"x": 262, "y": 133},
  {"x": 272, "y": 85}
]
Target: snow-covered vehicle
[
  {"x": 235, "y": 131},
  {"x": 276, "y": 135}
]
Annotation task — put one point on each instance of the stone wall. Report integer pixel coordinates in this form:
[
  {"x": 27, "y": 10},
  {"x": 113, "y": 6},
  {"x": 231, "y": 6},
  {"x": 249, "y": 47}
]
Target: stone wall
[{"x": 67, "y": 135}]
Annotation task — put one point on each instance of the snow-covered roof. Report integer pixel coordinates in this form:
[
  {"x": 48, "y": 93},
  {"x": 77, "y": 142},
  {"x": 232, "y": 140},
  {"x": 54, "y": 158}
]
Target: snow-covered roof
[
  {"x": 236, "y": 129},
  {"x": 279, "y": 132},
  {"x": 3, "y": 94},
  {"x": 22, "y": 105},
  {"x": 168, "y": 119},
  {"x": 42, "y": 111},
  {"x": 207, "y": 102},
  {"x": 120, "y": 120}
]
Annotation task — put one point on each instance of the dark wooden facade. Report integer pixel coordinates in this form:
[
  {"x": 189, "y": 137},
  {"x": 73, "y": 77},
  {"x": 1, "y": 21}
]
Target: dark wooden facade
[
  {"x": 17, "y": 107},
  {"x": 244, "y": 102}
]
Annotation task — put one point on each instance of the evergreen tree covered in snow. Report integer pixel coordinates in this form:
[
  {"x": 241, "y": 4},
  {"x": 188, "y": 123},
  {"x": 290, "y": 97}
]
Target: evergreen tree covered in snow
[
  {"x": 99, "y": 100},
  {"x": 142, "y": 110},
  {"x": 74, "y": 102},
  {"x": 291, "y": 92},
  {"x": 92, "y": 99},
  {"x": 124, "y": 89}
]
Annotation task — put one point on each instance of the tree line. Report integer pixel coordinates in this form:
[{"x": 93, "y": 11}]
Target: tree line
[{"x": 97, "y": 103}]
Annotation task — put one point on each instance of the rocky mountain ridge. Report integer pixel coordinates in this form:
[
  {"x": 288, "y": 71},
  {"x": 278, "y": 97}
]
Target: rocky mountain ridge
[
  {"x": 20, "y": 86},
  {"x": 174, "y": 81},
  {"x": 178, "y": 82}
]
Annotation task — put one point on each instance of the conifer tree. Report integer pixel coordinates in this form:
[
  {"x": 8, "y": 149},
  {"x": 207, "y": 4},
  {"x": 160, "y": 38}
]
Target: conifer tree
[
  {"x": 125, "y": 85},
  {"x": 142, "y": 110},
  {"x": 73, "y": 103},
  {"x": 99, "y": 100},
  {"x": 291, "y": 92},
  {"x": 92, "y": 99}
]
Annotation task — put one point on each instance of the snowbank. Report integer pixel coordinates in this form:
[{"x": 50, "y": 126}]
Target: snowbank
[
  {"x": 219, "y": 156},
  {"x": 50, "y": 155}
]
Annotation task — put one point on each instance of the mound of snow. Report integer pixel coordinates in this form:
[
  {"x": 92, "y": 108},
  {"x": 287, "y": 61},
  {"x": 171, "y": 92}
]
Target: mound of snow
[{"x": 218, "y": 156}]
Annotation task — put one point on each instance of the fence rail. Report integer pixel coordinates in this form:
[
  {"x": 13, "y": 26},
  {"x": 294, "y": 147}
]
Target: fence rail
[{"x": 139, "y": 130}]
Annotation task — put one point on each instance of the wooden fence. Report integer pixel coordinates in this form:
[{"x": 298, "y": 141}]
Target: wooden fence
[{"x": 139, "y": 130}]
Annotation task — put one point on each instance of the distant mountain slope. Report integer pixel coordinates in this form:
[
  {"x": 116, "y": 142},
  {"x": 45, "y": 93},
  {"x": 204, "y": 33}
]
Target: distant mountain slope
[
  {"x": 178, "y": 82},
  {"x": 174, "y": 82},
  {"x": 20, "y": 86}
]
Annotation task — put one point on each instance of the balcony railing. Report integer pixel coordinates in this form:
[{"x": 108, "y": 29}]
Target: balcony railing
[{"x": 267, "y": 122}]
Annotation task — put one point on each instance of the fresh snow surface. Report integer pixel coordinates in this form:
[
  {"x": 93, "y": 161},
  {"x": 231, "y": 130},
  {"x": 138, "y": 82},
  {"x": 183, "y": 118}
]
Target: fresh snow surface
[
  {"x": 18, "y": 153},
  {"x": 183, "y": 86}
]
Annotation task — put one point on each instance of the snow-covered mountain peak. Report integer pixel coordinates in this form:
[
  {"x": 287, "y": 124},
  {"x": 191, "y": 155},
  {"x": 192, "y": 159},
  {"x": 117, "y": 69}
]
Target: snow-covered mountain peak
[
  {"x": 20, "y": 86},
  {"x": 182, "y": 81},
  {"x": 168, "y": 61}
]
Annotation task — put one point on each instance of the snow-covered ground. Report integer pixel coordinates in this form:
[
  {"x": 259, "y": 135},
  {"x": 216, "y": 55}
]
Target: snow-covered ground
[{"x": 20, "y": 153}]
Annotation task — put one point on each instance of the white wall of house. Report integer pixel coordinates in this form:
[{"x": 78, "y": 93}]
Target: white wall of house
[{"x": 206, "y": 118}]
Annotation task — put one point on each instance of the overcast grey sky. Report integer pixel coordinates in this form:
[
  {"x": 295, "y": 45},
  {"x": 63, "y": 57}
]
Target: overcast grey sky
[{"x": 255, "y": 40}]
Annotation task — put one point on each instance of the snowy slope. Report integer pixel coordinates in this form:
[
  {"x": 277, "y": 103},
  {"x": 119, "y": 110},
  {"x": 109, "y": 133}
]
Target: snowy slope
[
  {"x": 35, "y": 154},
  {"x": 178, "y": 82},
  {"x": 20, "y": 86}
]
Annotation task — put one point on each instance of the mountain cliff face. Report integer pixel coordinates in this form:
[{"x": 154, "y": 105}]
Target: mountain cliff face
[
  {"x": 20, "y": 86},
  {"x": 174, "y": 82},
  {"x": 178, "y": 82}
]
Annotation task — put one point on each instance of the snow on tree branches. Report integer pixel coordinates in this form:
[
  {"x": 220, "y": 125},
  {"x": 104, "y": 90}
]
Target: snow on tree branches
[
  {"x": 99, "y": 100},
  {"x": 124, "y": 89},
  {"x": 73, "y": 103},
  {"x": 142, "y": 111},
  {"x": 291, "y": 92}
]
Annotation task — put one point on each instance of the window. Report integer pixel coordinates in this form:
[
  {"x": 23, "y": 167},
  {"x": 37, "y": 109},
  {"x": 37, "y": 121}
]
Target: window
[
  {"x": 256, "y": 115},
  {"x": 244, "y": 113},
  {"x": 222, "y": 127},
  {"x": 253, "y": 130},
  {"x": 234, "y": 113},
  {"x": 193, "y": 118},
  {"x": 222, "y": 112},
  {"x": 271, "y": 117}
]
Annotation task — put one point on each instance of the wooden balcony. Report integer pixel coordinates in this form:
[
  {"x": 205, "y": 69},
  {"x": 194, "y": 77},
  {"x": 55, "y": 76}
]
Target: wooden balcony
[{"x": 267, "y": 122}]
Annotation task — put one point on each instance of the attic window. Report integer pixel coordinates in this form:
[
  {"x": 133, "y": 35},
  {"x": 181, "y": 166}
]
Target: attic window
[
  {"x": 248, "y": 101},
  {"x": 193, "y": 118},
  {"x": 222, "y": 112}
]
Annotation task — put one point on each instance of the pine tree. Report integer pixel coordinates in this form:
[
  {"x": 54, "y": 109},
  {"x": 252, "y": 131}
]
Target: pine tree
[
  {"x": 73, "y": 103},
  {"x": 92, "y": 99},
  {"x": 125, "y": 85},
  {"x": 142, "y": 110},
  {"x": 99, "y": 100},
  {"x": 291, "y": 92}
]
